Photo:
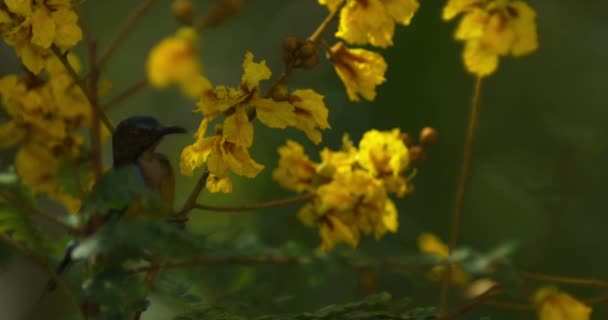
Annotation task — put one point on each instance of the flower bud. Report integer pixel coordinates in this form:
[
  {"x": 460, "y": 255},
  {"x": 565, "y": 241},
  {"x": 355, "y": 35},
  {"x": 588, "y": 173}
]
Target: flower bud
[
  {"x": 280, "y": 92},
  {"x": 417, "y": 154},
  {"x": 428, "y": 136},
  {"x": 182, "y": 11}
]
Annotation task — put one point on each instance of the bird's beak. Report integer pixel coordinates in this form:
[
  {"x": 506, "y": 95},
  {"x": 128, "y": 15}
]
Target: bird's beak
[{"x": 171, "y": 129}]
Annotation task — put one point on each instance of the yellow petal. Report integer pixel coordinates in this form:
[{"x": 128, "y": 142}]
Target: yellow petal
[
  {"x": 21, "y": 7},
  {"x": 478, "y": 59},
  {"x": 241, "y": 163},
  {"x": 43, "y": 28},
  {"x": 401, "y": 10},
  {"x": 332, "y": 5},
  {"x": 295, "y": 170},
  {"x": 370, "y": 23},
  {"x": 525, "y": 28},
  {"x": 216, "y": 101},
  {"x": 311, "y": 113},
  {"x": 217, "y": 184},
  {"x": 553, "y": 304},
  {"x": 195, "y": 155},
  {"x": 455, "y": 7},
  {"x": 238, "y": 128},
  {"x": 334, "y": 231},
  {"x": 360, "y": 70},
  {"x": 254, "y": 72},
  {"x": 274, "y": 114},
  {"x": 10, "y": 134},
  {"x": 68, "y": 33},
  {"x": 430, "y": 243}
]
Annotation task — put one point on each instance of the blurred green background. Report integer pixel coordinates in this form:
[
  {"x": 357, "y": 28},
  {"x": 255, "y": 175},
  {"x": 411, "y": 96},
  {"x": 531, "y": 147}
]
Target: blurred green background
[{"x": 538, "y": 173}]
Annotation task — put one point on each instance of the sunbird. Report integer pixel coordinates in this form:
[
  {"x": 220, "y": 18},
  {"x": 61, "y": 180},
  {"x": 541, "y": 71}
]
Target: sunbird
[{"x": 137, "y": 168}]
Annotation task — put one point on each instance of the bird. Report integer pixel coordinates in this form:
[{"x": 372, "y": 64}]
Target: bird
[{"x": 137, "y": 168}]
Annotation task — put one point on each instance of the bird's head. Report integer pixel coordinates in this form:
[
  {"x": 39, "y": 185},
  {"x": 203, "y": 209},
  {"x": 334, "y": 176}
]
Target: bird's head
[{"x": 135, "y": 135}]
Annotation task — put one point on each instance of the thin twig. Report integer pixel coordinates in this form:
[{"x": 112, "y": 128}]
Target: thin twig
[
  {"x": 130, "y": 91},
  {"x": 565, "y": 280},
  {"x": 479, "y": 301},
  {"x": 596, "y": 300},
  {"x": 22, "y": 205},
  {"x": 202, "y": 261},
  {"x": 256, "y": 206},
  {"x": 182, "y": 215},
  {"x": 462, "y": 186},
  {"x": 526, "y": 307},
  {"x": 323, "y": 26},
  {"x": 95, "y": 120},
  {"x": 124, "y": 32},
  {"x": 80, "y": 83}
]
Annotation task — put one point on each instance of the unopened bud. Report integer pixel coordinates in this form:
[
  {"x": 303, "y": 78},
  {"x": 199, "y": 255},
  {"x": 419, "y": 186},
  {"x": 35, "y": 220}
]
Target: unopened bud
[
  {"x": 280, "y": 92},
  {"x": 428, "y": 136},
  {"x": 291, "y": 44},
  {"x": 221, "y": 10},
  {"x": 182, "y": 11},
  {"x": 407, "y": 139},
  {"x": 311, "y": 61},
  {"x": 308, "y": 49},
  {"x": 417, "y": 154}
]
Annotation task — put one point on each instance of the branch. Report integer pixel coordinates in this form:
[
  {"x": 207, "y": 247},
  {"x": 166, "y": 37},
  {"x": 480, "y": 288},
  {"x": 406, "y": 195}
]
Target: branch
[
  {"x": 80, "y": 83},
  {"x": 462, "y": 186},
  {"x": 124, "y": 32},
  {"x": 479, "y": 301},
  {"x": 130, "y": 91},
  {"x": 202, "y": 261},
  {"x": 314, "y": 38},
  {"x": 94, "y": 94},
  {"x": 182, "y": 216},
  {"x": 21, "y": 205},
  {"x": 256, "y": 206},
  {"x": 564, "y": 280}
]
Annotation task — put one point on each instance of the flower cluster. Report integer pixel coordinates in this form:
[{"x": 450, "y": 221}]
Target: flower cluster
[
  {"x": 366, "y": 22},
  {"x": 227, "y": 149},
  {"x": 492, "y": 28},
  {"x": 351, "y": 186},
  {"x": 553, "y": 304},
  {"x": 46, "y": 116},
  {"x": 33, "y": 27}
]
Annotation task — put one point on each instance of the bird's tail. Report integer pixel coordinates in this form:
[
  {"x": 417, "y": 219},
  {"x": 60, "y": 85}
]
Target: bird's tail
[{"x": 63, "y": 265}]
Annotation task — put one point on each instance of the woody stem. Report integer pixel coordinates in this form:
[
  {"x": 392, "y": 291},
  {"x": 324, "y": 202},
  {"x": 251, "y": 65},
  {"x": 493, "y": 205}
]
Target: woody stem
[{"x": 462, "y": 185}]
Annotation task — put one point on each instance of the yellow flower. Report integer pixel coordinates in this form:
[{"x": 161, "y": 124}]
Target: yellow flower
[
  {"x": 11, "y": 133},
  {"x": 360, "y": 202},
  {"x": 372, "y": 21},
  {"x": 334, "y": 231},
  {"x": 233, "y": 103},
  {"x": 221, "y": 157},
  {"x": 385, "y": 155},
  {"x": 32, "y": 28},
  {"x": 333, "y": 162},
  {"x": 310, "y": 113},
  {"x": 553, "y": 304},
  {"x": 295, "y": 171},
  {"x": 175, "y": 60},
  {"x": 491, "y": 29},
  {"x": 360, "y": 70},
  {"x": 429, "y": 243}
]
